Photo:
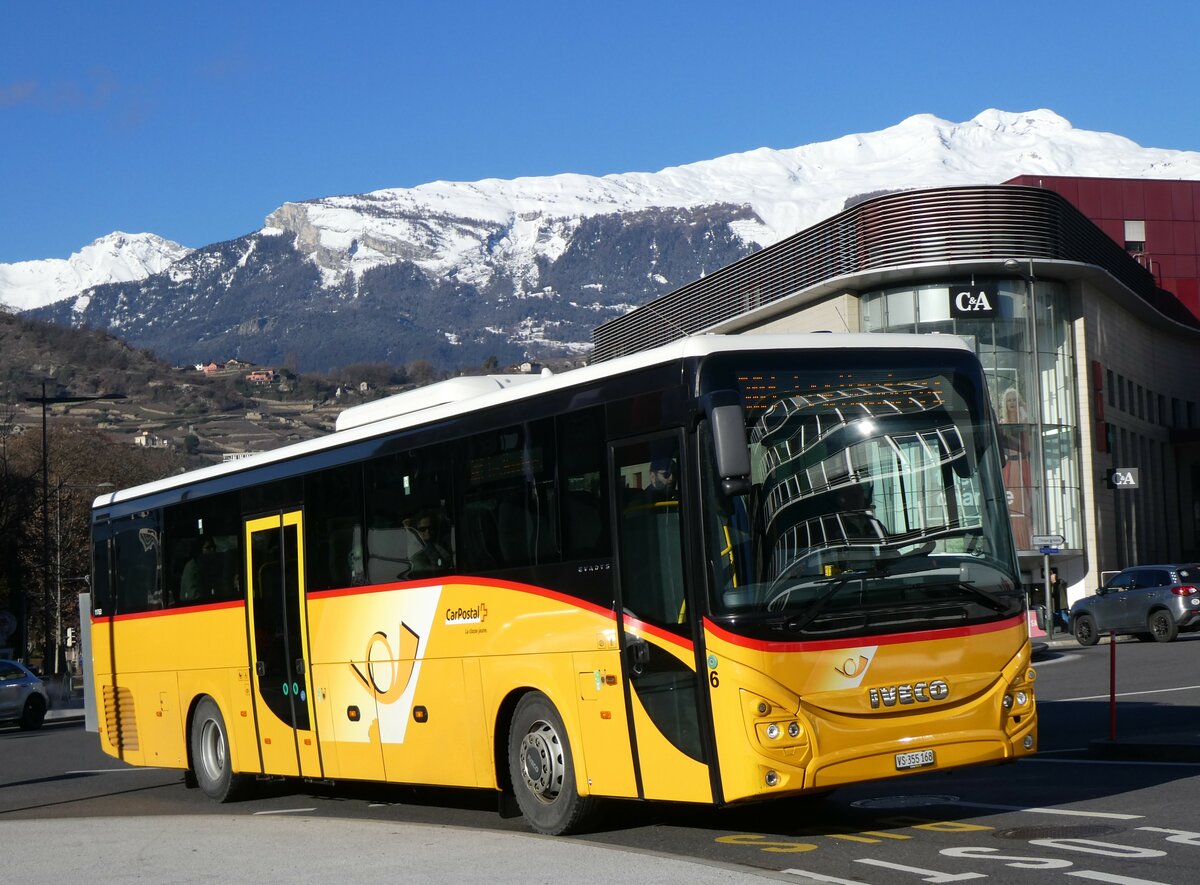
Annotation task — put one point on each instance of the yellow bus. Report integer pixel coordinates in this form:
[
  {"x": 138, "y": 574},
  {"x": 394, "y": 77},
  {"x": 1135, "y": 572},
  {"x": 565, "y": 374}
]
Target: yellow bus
[{"x": 724, "y": 570}]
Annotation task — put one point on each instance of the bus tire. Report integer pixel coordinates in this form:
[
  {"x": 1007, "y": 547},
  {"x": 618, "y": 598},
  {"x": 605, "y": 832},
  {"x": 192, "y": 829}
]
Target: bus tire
[
  {"x": 210, "y": 755},
  {"x": 542, "y": 768}
]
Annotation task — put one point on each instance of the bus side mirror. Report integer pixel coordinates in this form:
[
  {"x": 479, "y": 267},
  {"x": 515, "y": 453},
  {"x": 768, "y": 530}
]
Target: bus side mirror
[{"x": 728, "y": 426}]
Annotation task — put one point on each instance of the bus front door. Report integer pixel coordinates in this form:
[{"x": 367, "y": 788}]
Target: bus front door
[
  {"x": 278, "y": 645},
  {"x": 656, "y": 633}
]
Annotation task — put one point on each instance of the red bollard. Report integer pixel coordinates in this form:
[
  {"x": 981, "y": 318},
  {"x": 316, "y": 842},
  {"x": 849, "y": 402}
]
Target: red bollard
[{"x": 1112, "y": 686}]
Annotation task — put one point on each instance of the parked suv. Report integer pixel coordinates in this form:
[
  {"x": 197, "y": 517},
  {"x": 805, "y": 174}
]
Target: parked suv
[
  {"x": 1148, "y": 601},
  {"x": 22, "y": 696}
]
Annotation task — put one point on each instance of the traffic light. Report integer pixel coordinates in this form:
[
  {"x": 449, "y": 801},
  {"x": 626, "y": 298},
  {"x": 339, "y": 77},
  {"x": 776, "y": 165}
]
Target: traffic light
[{"x": 70, "y": 637}]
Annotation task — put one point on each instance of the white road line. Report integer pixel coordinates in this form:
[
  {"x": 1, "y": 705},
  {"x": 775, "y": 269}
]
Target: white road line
[
  {"x": 818, "y": 877},
  {"x": 110, "y": 770},
  {"x": 1113, "y": 879},
  {"x": 287, "y": 811},
  {"x": 1066, "y": 812},
  {"x": 1123, "y": 694}
]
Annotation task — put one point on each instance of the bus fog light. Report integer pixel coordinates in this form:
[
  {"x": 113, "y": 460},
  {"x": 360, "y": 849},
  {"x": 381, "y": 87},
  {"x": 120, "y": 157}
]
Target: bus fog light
[
  {"x": 773, "y": 731},
  {"x": 763, "y": 709},
  {"x": 1008, "y": 702},
  {"x": 794, "y": 729},
  {"x": 1028, "y": 742},
  {"x": 772, "y": 779},
  {"x": 1022, "y": 698}
]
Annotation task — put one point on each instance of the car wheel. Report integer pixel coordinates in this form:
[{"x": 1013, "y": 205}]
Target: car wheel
[
  {"x": 1085, "y": 630},
  {"x": 34, "y": 713},
  {"x": 210, "y": 755},
  {"x": 542, "y": 769},
  {"x": 1162, "y": 625}
]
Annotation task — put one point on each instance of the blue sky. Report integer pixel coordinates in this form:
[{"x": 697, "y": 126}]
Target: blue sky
[{"x": 195, "y": 120}]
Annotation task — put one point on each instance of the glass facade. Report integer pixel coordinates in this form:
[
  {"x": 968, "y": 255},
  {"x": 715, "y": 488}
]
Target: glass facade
[{"x": 1041, "y": 471}]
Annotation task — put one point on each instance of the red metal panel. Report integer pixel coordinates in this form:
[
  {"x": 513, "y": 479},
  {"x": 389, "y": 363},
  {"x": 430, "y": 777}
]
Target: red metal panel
[
  {"x": 1182, "y": 195},
  {"x": 1160, "y": 239},
  {"x": 1089, "y": 199},
  {"x": 1187, "y": 266},
  {"x": 1114, "y": 227},
  {"x": 1110, "y": 199},
  {"x": 1184, "y": 234},
  {"x": 1158, "y": 200},
  {"x": 1133, "y": 199}
]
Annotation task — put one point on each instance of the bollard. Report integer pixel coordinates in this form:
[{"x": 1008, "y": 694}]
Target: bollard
[{"x": 1112, "y": 686}]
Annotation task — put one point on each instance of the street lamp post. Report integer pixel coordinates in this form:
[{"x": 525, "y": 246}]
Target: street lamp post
[
  {"x": 23, "y": 620},
  {"x": 1012, "y": 264},
  {"x": 58, "y": 579}
]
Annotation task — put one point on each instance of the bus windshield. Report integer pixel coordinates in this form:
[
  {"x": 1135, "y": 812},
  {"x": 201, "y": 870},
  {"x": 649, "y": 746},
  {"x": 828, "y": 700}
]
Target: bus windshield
[{"x": 875, "y": 503}]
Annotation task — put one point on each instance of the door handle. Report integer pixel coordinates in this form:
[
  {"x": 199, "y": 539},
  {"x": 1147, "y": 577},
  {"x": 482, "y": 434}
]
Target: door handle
[
  {"x": 299, "y": 666},
  {"x": 637, "y": 654}
]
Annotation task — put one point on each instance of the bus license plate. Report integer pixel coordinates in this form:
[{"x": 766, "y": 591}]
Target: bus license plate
[{"x": 919, "y": 759}]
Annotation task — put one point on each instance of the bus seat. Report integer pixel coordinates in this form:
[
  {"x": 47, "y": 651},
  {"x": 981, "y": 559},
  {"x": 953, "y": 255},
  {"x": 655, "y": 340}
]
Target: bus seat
[
  {"x": 389, "y": 553},
  {"x": 480, "y": 545}
]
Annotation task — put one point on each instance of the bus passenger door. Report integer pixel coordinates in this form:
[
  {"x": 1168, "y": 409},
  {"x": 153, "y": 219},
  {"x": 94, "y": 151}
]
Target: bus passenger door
[
  {"x": 657, "y": 638},
  {"x": 279, "y": 645}
]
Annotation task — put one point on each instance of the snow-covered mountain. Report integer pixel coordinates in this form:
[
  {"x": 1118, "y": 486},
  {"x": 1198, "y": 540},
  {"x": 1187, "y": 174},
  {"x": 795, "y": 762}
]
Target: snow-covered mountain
[
  {"x": 116, "y": 258},
  {"x": 787, "y": 190},
  {"x": 455, "y": 271}
]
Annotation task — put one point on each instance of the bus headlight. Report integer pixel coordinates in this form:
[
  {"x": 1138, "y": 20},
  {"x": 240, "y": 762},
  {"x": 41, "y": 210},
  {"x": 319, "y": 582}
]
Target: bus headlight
[{"x": 773, "y": 731}]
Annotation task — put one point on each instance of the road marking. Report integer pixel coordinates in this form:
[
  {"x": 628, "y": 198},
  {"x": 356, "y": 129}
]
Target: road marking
[
  {"x": 1112, "y": 879},
  {"x": 1066, "y": 812},
  {"x": 110, "y": 770},
  {"x": 287, "y": 811},
  {"x": 833, "y": 880},
  {"x": 929, "y": 875},
  {"x": 1122, "y": 694}
]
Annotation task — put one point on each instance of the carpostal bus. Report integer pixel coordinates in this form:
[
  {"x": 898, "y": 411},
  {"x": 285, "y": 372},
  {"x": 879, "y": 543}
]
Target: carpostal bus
[{"x": 725, "y": 570}]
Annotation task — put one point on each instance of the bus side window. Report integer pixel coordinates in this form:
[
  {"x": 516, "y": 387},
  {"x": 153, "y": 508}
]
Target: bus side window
[
  {"x": 584, "y": 471},
  {"x": 650, "y": 541}
]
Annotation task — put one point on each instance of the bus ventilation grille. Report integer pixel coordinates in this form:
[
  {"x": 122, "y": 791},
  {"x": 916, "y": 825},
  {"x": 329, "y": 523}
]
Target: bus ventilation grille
[{"x": 119, "y": 714}]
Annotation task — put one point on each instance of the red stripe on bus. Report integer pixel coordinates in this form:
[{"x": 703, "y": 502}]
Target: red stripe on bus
[
  {"x": 178, "y": 610},
  {"x": 887, "y": 639},
  {"x": 531, "y": 589},
  {"x": 659, "y": 633}
]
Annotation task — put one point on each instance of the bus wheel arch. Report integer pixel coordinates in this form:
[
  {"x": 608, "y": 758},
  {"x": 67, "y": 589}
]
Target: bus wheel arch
[
  {"x": 541, "y": 766},
  {"x": 210, "y": 759}
]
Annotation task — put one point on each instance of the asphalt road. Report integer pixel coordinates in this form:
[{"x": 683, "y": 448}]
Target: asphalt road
[{"x": 1064, "y": 816}]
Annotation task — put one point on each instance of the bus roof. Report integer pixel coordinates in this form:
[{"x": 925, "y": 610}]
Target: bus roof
[{"x": 446, "y": 399}]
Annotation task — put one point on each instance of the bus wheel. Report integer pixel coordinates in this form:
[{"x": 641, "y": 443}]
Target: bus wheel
[
  {"x": 543, "y": 773},
  {"x": 210, "y": 755}
]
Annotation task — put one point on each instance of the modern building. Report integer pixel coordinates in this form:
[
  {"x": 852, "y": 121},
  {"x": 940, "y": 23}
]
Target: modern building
[{"x": 1094, "y": 364}]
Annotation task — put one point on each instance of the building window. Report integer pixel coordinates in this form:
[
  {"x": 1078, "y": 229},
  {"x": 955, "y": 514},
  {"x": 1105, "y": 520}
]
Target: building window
[
  {"x": 1111, "y": 386},
  {"x": 1135, "y": 236}
]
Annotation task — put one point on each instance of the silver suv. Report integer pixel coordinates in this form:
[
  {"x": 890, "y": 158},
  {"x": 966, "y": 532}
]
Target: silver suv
[
  {"x": 22, "y": 696},
  {"x": 1148, "y": 601}
]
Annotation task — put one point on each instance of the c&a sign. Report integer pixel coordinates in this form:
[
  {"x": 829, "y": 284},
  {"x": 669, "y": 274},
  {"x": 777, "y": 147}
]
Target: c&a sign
[{"x": 974, "y": 302}]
